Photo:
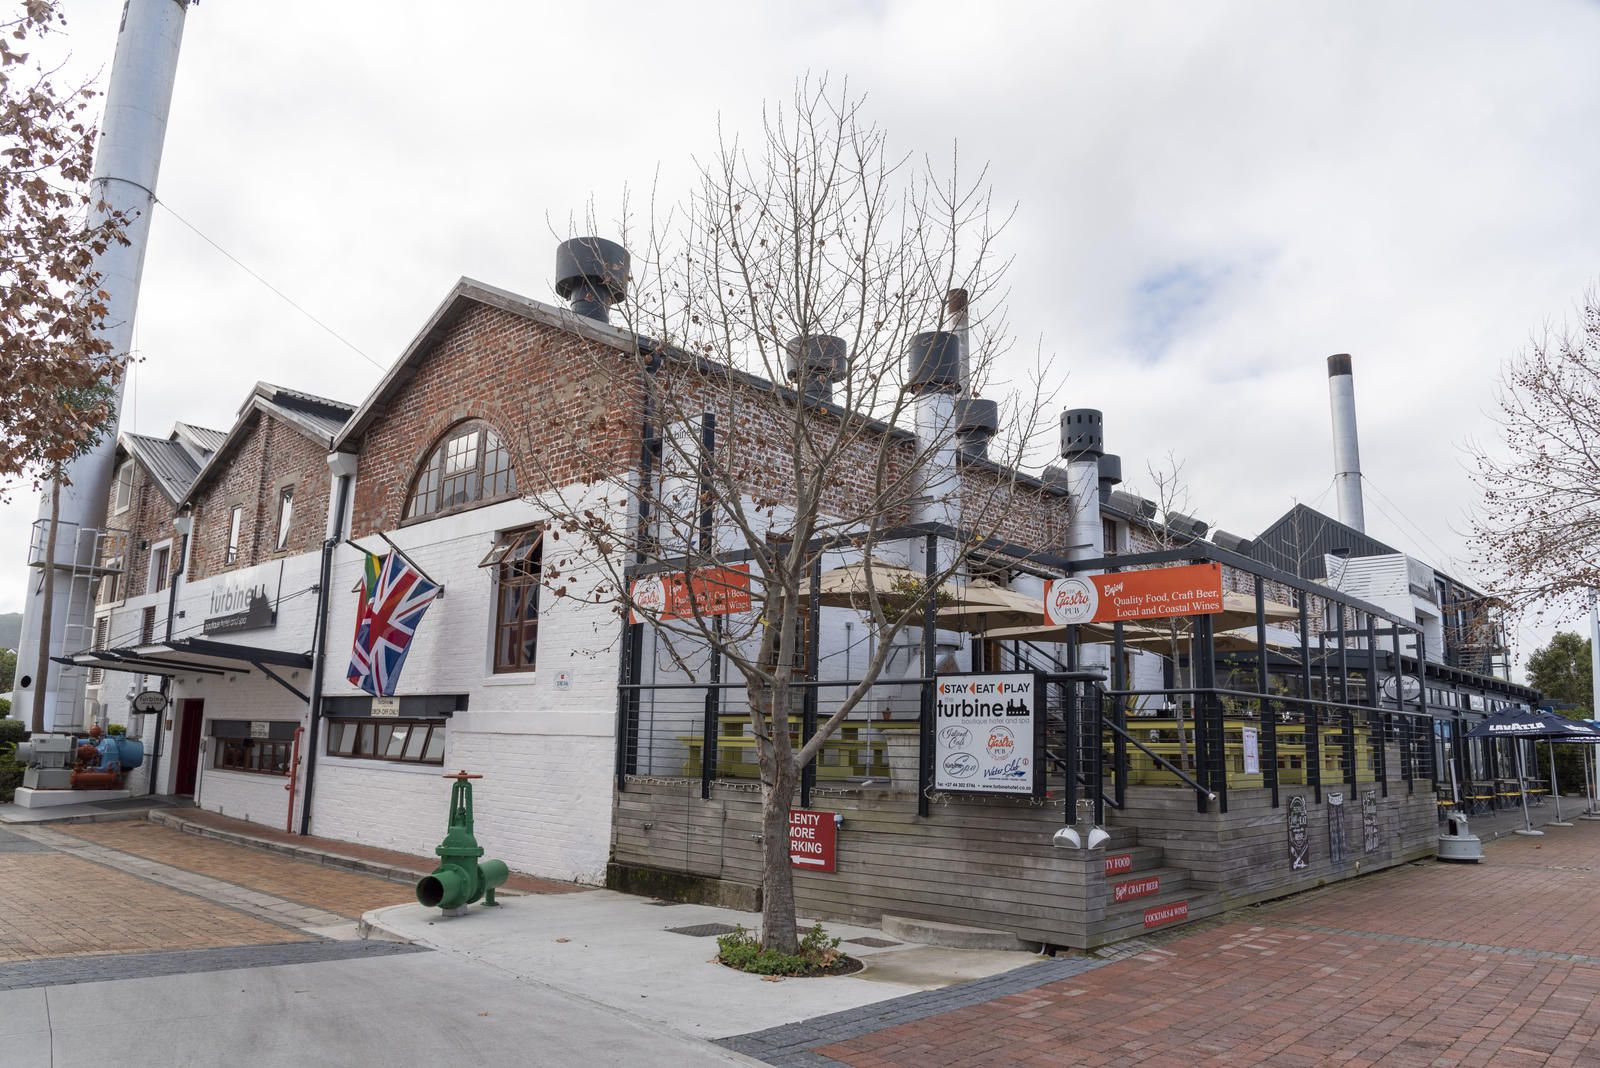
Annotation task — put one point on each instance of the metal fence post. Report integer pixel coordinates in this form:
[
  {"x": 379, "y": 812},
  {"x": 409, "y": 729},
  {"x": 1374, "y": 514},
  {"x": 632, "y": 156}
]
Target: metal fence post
[
  {"x": 1308, "y": 716},
  {"x": 1380, "y": 719},
  {"x": 1269, "y": 720}
]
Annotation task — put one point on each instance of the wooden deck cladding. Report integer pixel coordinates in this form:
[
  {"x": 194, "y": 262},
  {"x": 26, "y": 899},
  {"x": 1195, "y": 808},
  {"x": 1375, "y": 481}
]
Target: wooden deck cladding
[{"x": 990, "y": 863}]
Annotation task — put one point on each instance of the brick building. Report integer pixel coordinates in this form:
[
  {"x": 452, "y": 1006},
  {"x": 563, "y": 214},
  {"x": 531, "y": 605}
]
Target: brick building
[{"x": 451, "y": 461}]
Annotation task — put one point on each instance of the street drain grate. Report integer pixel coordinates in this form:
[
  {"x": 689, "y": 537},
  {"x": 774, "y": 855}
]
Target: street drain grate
[
  {"x": 701, "y": 930},
  {"x": 663, "y": 904},
  {"x": 871, "y": 942}
]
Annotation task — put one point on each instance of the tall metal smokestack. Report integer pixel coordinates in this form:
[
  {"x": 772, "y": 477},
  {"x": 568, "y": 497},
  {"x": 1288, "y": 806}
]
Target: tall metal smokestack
[
  {"x": 1346, "y": 452},
  {"x": 1082, "y": 446},
  {"x": 127, "y": 163}
]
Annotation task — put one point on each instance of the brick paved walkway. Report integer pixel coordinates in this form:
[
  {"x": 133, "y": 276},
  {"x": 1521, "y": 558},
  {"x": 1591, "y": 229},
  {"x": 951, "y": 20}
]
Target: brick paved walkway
[
  {"x": 333, "y": 847},
  {"x": 343, "y": 892},
  {"x": 1428, "y": 965},
  {"x": 58, "y": 905}
]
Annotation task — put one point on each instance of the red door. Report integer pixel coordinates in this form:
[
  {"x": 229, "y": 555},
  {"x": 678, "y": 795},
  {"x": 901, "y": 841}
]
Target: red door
[{"x": 191, "y": 712}]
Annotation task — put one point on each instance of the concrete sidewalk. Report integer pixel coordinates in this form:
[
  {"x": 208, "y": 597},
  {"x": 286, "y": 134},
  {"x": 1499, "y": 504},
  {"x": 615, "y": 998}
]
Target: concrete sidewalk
[{"x": 622, "y": 952}]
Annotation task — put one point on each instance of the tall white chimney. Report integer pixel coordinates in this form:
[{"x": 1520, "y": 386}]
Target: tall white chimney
[
  {"x": 127, "y": 162},
  {"x": 1346, "y": 452}
]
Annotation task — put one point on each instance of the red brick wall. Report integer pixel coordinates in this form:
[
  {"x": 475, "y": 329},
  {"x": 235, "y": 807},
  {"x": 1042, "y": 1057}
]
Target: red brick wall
[
  {"x": 148, "y": 519},
  {"x": 270, "y": 454},
  {"x": 525, "y": 379}
]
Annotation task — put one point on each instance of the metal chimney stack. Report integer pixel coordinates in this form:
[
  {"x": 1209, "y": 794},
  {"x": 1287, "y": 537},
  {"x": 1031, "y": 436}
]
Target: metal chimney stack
[
  {"x": 1346, "y": 451},
  {"x": 126, "y": 165}
]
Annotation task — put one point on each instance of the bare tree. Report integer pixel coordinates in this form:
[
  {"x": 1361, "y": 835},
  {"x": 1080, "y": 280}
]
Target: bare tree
[
  {"x": 805, "y": 266},
  {"x": 1538, "y": 525},
  {"x": 1171, "y": 497}
]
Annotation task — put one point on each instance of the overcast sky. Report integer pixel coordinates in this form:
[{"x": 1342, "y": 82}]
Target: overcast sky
[{"x": 1212, "y": 198}]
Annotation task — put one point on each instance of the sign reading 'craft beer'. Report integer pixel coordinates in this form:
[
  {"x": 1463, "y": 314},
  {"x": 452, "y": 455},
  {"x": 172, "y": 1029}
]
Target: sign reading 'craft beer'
[
  {"x": 984, "y": 737},
  {"x": 1190, "y": 590},
  {"x": 712, "y": 591}
]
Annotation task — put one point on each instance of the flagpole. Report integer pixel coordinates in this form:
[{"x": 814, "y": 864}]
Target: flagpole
[
  {"x": 412, "y": 562},
  {"x": 402, "y": 554}
]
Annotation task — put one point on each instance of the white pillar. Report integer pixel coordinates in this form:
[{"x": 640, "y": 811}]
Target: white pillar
[{"x": 127, "y": 162}]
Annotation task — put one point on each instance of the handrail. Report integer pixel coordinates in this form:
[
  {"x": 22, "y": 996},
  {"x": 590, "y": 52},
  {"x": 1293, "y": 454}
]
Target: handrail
[
  {"x": 1209, "y": 795},
  {"x": 1254, "y": 695}
]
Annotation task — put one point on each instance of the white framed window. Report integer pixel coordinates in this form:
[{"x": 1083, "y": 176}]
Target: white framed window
[
  {"x": 123, "y": 488},
  {"x": 235, "y": 521},
  {"x": 285, "y": 516},
  {"x": 160, "y": 567}
]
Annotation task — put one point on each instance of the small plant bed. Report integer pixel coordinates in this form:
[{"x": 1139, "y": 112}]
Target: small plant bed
[{"x": 819, "y": 955}]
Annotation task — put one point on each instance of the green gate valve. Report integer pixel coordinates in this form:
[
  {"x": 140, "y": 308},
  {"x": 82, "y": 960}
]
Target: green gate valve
[{"x": 461, "y": 878}]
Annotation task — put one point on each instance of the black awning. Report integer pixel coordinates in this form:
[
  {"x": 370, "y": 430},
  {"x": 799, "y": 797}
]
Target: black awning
[{"x": 186, "y": 656}]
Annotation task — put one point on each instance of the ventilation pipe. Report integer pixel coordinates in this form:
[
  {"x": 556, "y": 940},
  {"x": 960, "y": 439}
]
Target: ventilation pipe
[
  {"x": 592, "y": 273},
  {"x": 816, "y": 362},
  {"x": 127, "y": 163},
  {"x": 933, "y": 377},
  {"x": 1346, "y": 452},
  {"x": 1082, "y": 446}
]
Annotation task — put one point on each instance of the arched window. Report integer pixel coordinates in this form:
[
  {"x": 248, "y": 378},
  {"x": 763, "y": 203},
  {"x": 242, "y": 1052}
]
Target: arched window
[{"x": 469, "y": 464}]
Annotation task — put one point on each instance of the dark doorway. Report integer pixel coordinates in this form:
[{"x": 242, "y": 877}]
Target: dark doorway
[{"x": 191, "y": 713}]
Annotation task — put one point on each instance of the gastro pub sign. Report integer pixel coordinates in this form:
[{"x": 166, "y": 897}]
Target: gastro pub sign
[
  {"x": 711, "y": 591},
  {"x": 1159, "y": 593}
]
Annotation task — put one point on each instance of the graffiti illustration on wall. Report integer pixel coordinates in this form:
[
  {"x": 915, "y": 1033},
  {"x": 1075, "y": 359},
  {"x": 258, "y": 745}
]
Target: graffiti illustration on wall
[
  {"x": 1369, "y": 822},
  {"x": 1299, "y": 833}
]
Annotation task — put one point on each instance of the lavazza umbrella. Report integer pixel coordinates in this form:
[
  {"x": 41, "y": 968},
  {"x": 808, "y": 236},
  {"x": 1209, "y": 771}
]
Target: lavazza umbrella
[{"x": 1521, "y": 723}]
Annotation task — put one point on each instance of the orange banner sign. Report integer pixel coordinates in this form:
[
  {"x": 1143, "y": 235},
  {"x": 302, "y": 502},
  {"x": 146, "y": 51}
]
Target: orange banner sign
[
  {"x": 1191, "y": 590},
  {"x": 714, "y": 591}
]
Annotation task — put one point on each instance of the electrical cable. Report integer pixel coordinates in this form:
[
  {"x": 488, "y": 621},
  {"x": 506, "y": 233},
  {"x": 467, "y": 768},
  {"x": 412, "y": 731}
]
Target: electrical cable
[{"x": 281, "y": 294}]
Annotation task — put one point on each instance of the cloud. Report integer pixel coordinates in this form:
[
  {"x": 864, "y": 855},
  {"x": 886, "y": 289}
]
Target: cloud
[{"x": 1211, "y": 198}]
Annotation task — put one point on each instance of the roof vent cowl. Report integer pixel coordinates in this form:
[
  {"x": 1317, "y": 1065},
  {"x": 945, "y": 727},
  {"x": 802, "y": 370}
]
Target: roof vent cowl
[
  {"x": 1110, "y": 475},
  {"x": 977, "y": 421},
  {"x": 1083, "y": 435},
  {"x": 815, "y": 363},
  {"x": 933, "y": 362},
  {"x": 592, "y": 273}
]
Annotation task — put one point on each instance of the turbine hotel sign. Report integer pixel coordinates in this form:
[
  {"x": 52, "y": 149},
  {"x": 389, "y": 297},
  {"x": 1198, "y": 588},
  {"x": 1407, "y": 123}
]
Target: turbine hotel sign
[
  {"x": 1159, "y": 593},
  {"x": 986, "y": 733}
]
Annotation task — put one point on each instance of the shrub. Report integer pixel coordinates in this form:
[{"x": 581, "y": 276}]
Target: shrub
[
  {"x": 12, "y": 730},
  {"x": 819, "y": 955},
  {"x": 117, "y": 728}
]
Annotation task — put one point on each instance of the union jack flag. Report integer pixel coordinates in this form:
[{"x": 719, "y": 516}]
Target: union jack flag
[{"x": 394, "y": 595}]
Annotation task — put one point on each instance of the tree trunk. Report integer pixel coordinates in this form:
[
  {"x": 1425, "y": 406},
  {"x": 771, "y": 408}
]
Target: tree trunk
[
  {"x": 777, "y": 876},
  {"x": 41, "y": 674}
]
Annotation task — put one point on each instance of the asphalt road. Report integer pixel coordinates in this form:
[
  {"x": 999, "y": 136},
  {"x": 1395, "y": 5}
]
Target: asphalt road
[{"x": 393, "y": 1011}]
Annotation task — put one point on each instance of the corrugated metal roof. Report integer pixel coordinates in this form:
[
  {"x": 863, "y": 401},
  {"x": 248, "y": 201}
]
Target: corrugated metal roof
[
  {"x": 1298, "y": 542},
  {"x": 167, "y": 461},
  {"x": 203, "y": 436}
]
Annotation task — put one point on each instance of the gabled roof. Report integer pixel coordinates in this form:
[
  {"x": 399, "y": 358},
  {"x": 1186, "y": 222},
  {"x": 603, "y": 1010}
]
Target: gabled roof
[
  {"x": 1303, "y": 536},
  {"x": 169, "y": 461},
  {"x": 317, "y": 418},
  {"x": 203, "y": 439},
  {"x": 465, "y": 294}
]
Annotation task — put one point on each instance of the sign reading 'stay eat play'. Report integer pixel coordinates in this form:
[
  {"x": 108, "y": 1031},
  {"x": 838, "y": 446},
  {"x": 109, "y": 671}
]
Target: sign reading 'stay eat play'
[
  {"x": 985, "y": 736},
  {"x": 1190, "y": 590}
]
